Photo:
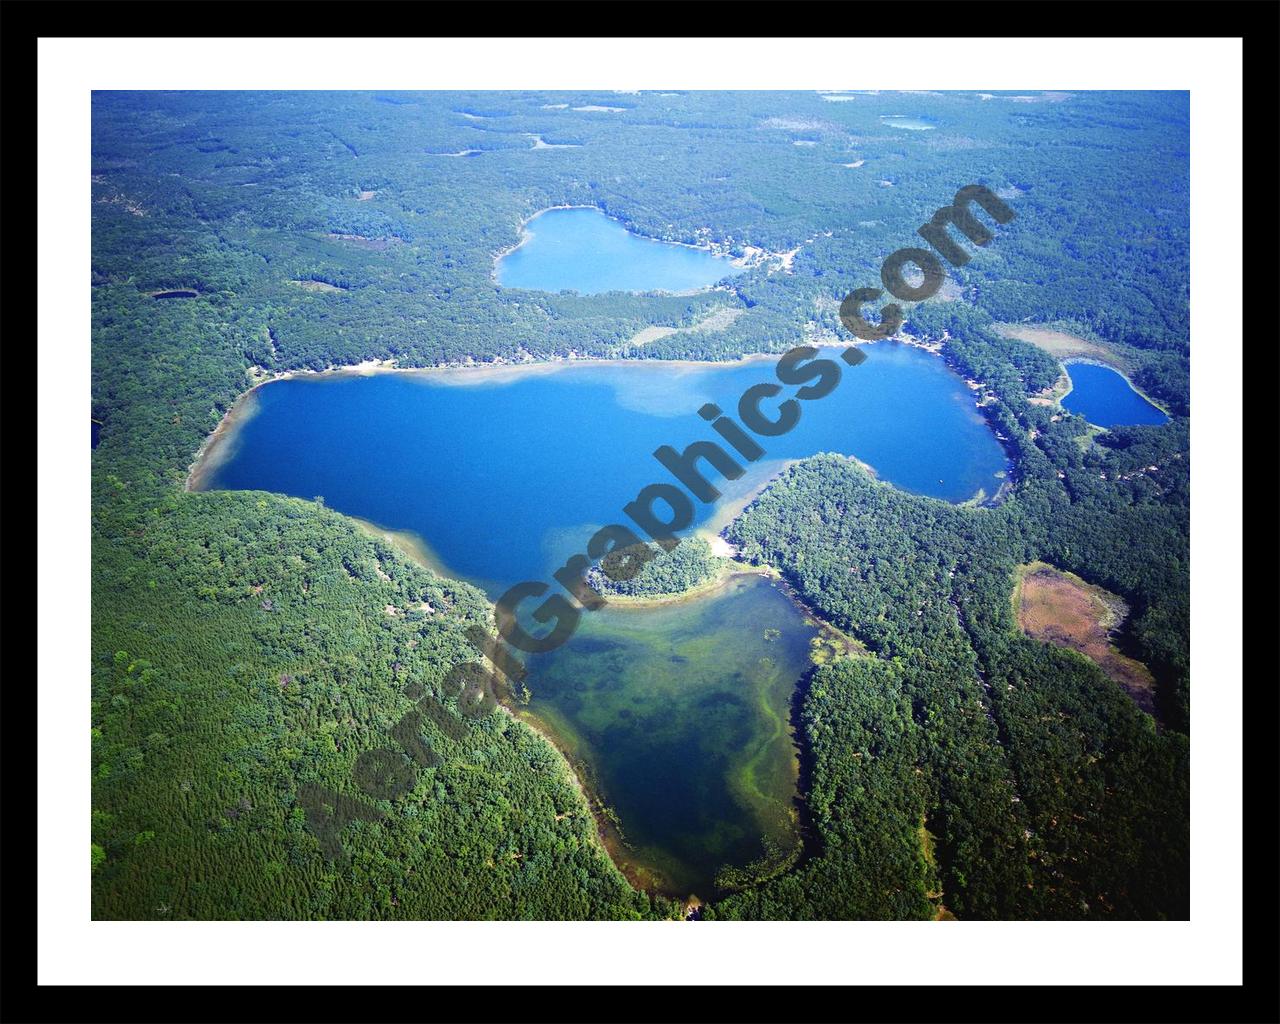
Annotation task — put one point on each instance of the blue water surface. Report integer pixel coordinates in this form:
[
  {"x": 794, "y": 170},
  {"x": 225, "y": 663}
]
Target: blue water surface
[
  {"x": 1105, "y": 399},
  {"x": 584, "y": 251},
  {"x": 907, "y": 122},
  {"x": 506, "y": 474}
]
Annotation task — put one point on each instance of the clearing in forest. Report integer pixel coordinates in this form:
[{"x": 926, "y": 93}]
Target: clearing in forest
[
  {"x": 1060, "y": 608},
  {"x": 1059, "y": 343}
]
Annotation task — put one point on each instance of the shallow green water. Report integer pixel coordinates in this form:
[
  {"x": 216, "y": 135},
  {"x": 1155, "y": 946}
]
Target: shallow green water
[{"x": 682, "y": 713}]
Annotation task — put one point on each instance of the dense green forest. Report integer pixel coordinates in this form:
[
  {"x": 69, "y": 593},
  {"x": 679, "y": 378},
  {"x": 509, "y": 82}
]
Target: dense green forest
[
  {"x": 666, "y": 572},
  {"x": 1047, "y": 786},
  {"x": 242, "y": 648},
  {"x": 246, "y": 644}
]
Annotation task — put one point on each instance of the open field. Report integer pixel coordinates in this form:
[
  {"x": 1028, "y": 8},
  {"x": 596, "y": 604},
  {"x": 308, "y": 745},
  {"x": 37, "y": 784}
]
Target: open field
[
  {"x": 1060, "y": 608},
  {"x": 1062, "y": 345},
  {"x": 717, "y": 320},
  {"x": 317, "y": 286}
]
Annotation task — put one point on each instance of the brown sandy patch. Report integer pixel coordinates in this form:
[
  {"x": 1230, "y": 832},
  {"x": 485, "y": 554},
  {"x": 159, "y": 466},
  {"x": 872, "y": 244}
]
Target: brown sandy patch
[
  {"x": 1060, "y": 344},
  {"x": 1062, "y": 609}
]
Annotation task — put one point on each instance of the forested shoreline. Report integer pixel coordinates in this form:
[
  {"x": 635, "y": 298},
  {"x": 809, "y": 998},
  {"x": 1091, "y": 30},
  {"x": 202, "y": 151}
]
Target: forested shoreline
[{"x": 241, "y": 640}]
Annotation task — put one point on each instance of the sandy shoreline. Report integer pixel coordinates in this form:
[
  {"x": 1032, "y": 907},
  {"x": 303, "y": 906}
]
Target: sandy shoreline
[
  {"x": 610, "y": 841},
  {"x": 209, "y": 454},
  {"x": 524, "y": 235},
  {"x": 610, "y": 837},
  {"x": 213, "y": 450},
  {"x": 723, "y": 577}
]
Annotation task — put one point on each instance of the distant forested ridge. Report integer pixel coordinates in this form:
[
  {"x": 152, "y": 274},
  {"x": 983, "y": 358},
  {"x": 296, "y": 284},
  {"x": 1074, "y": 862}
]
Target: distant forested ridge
[{"x": 244, "y": 643}]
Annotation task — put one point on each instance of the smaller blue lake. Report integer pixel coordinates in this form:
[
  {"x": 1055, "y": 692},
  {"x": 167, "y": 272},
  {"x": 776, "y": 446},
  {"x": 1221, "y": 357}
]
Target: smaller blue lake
[
  {"x": 584, "y": 251},
  {"x": 906, "y": 122},
  {"x": 1106, "y": 399}
]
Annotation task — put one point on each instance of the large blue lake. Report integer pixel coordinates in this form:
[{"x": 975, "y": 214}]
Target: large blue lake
[
  {"x": 677, "y": 717},
  {"x": 505, "y": 473},
  {"x": 582, "y": 250},
  {"x": 1105, "y": 399}
]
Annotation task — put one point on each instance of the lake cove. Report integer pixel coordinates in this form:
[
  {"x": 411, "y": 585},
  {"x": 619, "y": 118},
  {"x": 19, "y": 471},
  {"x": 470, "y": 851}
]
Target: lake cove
[
  {"x": 678, "y": 720},
  {"x": 580, "y": 249},
  {"x": 1106, "y": 399},
  {"x": 676, "y": 715}
]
